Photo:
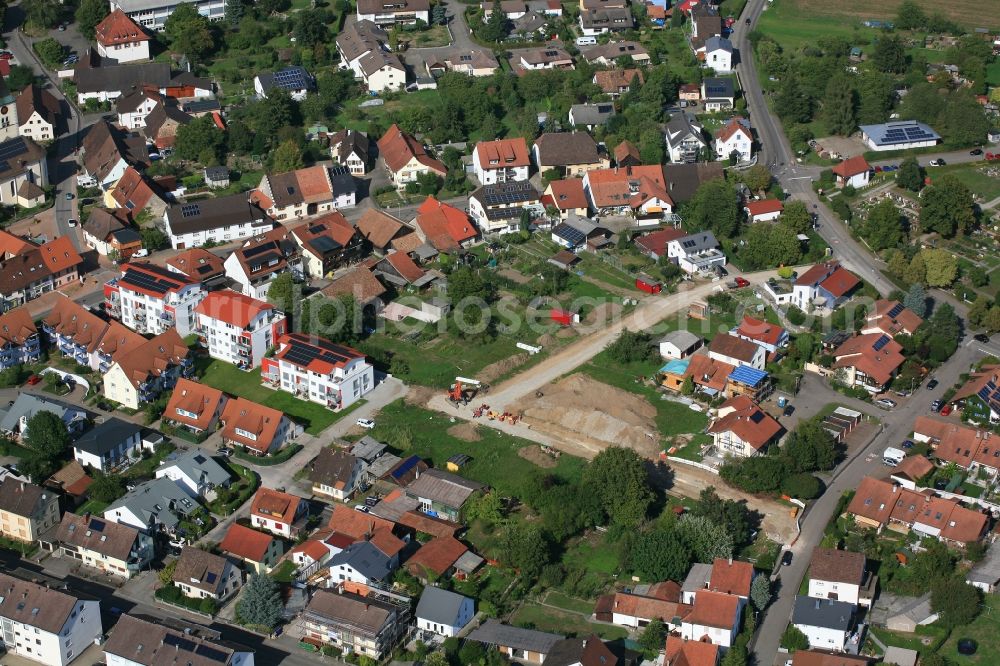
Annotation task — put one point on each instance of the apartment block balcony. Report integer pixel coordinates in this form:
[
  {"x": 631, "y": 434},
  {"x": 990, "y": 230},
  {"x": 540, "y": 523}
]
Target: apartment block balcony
[{"x": 167, "y": 316}]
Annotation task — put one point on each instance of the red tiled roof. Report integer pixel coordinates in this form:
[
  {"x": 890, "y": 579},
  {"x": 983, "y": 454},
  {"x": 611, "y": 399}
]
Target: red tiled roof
[
  {"x": 747, "y": 421},
  {"x": 714, "y": 609},
  {"x": 913, "y": 467},
  {"x": 852, "y": 166},
  {"x": 405, "y": 266},
  {"x": 707, "y": 372},
  {"x": 568, "y": 194},
  {"x": 276, "y": 505},
  {"x": 246, "y": 543},
  {"x": 326, "y": 355},
  {"x": 614, "y": 80},
  {"x": 817, "y": 273},
  {"x": 657, "y": 241},
  {"x": 840, "y": 282},
  {"x": 436, "y": 556},
  {"x": 634, "y": 605},
  {"x": 386, "y": 541},
  {"x": 356, "y": 524},
  {"x": 60, "y": 255},
  {"x": 731, "y": 128},
  {"x": 133, "y": 192},
  {"x": 859, "y": 352},
  {"x": 195, "y": 398},
  {"x": 764, "y": 207},
  {"x": 16, "y": 326},
  {"x": 379, "y": 228},
  {"x": 117, "y": 28},
  {"x": 250, "y": 417},
  {"x": 757, "y": 329},
  {"x": 443, "y": 225},
  {"x": 421, "y": 522},
  {"x": 503, "y": 153},
  {"x": 731, "y": 346},
  {"x": 960, "y": 444},
  {"x": 731, "y": 577},
  {"x": 397, "y": 149},
  {"x": 314, "y": 548},
  {"x": 905, "y": 321},
  {"x": 630, "y": 186},
  {"x": 680, "y": 652},
  {"x": 197, "y": 263},
  {"x": 232, "y": 308}
]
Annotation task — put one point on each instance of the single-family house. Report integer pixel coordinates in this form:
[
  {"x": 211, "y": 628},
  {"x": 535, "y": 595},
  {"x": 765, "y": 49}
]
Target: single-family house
[
  {"x": 742, "y": 429},
  {"x": 498, "y": 208},
  {"x": 839, "y": 575},
  {"x": 117, "y": 550},
  {"x": 771, "y": 337},
  {"x": 327, "y": 243},
  {"x": 572, "y": 153},
  {"x": 737, "y": 351},
  {"x": 595, "y": 22},
  {"x": 436, "y": 559},
  {"x": 402, "y": 12},
  {"x": 406, "y": 159},
  {"x": 108, "y": 445},
  {"x": 869, "y": 361},
  {"x": 718, "y": 93},
  {"x": 120, "y": 38},
  {"x": 617, "y": 82},
  {"x": 152, "y": 506},
  {"x": 442, "y": 612},
  {"x": 443, "y": 226},
  {"x": 195, "y": 472},
  {"x": 163, "y": 122},
  {"x": 216, "y": 177},
  {"x": 14, "y": 419},
  {"x": 336, "y": 473},
  {"x": 362, "y": 563},
  {"x": 567, "y": 197},
  {"x": 591, "y": 115},
  {"x": 715, "y": 615},
  {"x": 194, "y": 406},
  {"x": 26, "y": 511},
  {"x": 979, "y": 397},
  {"x": 853, "y": 171},
  {"x": 37, "y": 113},
  {"x": 680, "y": 652},
  {"x": 294, "y": 195},
  {"x": 442, "y": 494},
  {"x": 259, "y": 262},
  {"x": 891, "y": 318},
  {"x": 637, "y": 191},
  {"x": 277, "y": 512},
  {"x": 579, "y": 233},
  {"x": 735, "y": 138},
  {"x": 828, "y": 624},
  {"x": 203, "y": 575},
  {"x": 134, "y": 105},
  {"x": 550, "y": 56},
  {"x": 23, "y": 173},
  {"x": 607, "y": 55},
  {"x": 109, "y": 231},
  {"x": 684, "y": 138},
  {"x": 258, "y": 551},
  {"x": 525, "y": 645},
  {"x": 363, "y": 48},
  {"x": 257, "y": 429},
  {"x": 719, "y": 54},
  {"x": 472, "y": 62},
  {"x": 763, "y": 210},
  {"x": 107, "y": 152},
  {"x": 294, "y": 80},
  {"x": 501, "y": 160},
  {"x": 825, "y": 285},
  {"x": 354, "y": 150}
]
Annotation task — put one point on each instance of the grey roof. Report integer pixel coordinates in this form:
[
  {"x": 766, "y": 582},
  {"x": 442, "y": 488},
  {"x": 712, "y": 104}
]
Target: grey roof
[
  {"x": 493, "y": 632},
  {"x": 682, "y": 125},
  {"x": 383, "y": 464},
  {"x": 197, "y": 465},
  {"x": 342, "y": 180},
  {"x": 703, "y": 240},
  {"x": 721, "y": 86},
  {"x": 27, "y": 405},
  {"x": 395, "y": 509},
  {"x": 468, "y": 562},
  {"x": 157, "y": 501},
  {"x": 290, "y": 78},
  {"x": 367, "y": 448},
  {"x": 898, "y": 656},
  {"x": 683, "y": 180},
  {"x": 366, "y": 559},
  {"x": 116, "y": 78},
  {"x": 826, "y": 613},
  {"x": 216, "y": 173},
  {"x": 899, "y": 131},
  {"x": 987, "y": 570},
  {"x": 715, "y": 43},
  {"x": 698, "y": 577},
  {"x": 214, "y": 213},
  {"x": 443, "y": 487},
  {"x": 439, "y": 606},
  {"x": 106, "y": 436},
  {"x": 682, "y": 339},
  {"x": 592, "y": 114}
]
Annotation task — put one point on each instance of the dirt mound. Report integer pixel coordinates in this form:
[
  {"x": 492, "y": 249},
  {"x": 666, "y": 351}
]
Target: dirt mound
[
  {"x": 588, "y": 409},
  {"x": 545, "y": 340},
  {"x": 566, "y": 333},
  {"x": 420, "y": 395},
  {"x": 494, "y": 371},
  {"x": 535, "y": 454},
  {"x": 466, "y": 431}
]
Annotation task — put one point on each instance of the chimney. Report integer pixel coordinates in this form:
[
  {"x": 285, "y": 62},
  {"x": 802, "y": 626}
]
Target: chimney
[{"x": 730, "y": 560}]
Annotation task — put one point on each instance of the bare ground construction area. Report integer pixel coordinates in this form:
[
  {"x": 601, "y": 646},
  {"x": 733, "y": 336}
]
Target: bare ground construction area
[{"x": 579, "y": 409}]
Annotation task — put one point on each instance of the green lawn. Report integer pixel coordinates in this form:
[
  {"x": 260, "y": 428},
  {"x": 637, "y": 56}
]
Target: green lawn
[
  {"x": 227, "y": 377},
  {"x": 285, "y": 573},
  {"x": 914, "y": 641},
  {"x": 974, "y": 177},
  {"x": 794, "y": 25},
  {"x": 557, "y": 598},
  {"x": 984, "y": 630},
  {"x": 993, "y": 73},
  {"x": 413, "y": 430},
  {"x": 554, "y": 620},
  {"x": 93, "y": 506},
  {"x": 592, "y": 553}
]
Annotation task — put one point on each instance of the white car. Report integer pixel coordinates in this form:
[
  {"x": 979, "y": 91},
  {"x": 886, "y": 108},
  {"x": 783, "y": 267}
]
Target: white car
[
  {"x": 367, "y": 424},
  {"x": 885, "y": 403}
]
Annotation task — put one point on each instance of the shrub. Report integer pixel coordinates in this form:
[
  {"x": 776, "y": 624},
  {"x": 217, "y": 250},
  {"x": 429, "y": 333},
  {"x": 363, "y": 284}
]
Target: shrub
[
  {"x": 802, "y": 486},
  {"x": 796, "y": 316}
]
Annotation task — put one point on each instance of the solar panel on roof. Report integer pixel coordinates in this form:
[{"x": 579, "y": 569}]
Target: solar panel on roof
[
  {"x": 570, "y": 234},
  {"x": 896, "y": 310},
  {"x": 97, "y": 525},
  {"x": 217, "y": 656},
  {"x": 257, "y": 249},
  {"x": 12, "y": 148},
  {"x": 746, "y": 375},
  {"x": 179, "y": 642},
  {"x": 190, "y": 210},
  {"x": 881, "y": 342},
  {"x": 210, "y": 577}
]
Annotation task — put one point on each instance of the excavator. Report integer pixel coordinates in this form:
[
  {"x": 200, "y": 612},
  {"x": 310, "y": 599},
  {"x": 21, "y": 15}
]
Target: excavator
[{"x": 464, "y": 390}]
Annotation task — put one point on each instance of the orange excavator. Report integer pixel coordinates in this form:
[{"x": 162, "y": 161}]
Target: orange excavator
[{"x": 463, "y": 390}]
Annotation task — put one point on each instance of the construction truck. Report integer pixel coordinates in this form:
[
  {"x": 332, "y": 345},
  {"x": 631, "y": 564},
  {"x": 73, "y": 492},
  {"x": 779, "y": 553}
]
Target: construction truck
[{"x": 464, "y": 390}]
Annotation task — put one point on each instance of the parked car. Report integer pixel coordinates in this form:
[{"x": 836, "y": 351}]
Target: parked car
[
  {"x": 224, "y": 452},
  {"x": 367, "y": 424},
  {"x": 34, "y": 379},
  {"x": 981, "y": 337},
  {"x": 976, "y": 151},
  {"x": 932, "y": 384},
  {"x": 71, "y": 223},
  {"x": 69, "y": 196},
  {"x": 937, "y": 405},
  {"x": 786, "y": 558},
  {"x": 885, "y": 403},
  {"x": 788, "y": 411},
  {"x": 741, "y": 282},
  {"x": 947, "y": 409},
  {"x": 937, "y": 162},
  {"x": 907, "y": 444},
  {"x": 141, "y": 253}
]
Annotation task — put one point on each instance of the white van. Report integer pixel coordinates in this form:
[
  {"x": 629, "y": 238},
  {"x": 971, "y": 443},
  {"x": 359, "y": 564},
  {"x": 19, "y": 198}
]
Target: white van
[
  {"x": 892, "y": 456},
  {"x": 586, "y": 41}
]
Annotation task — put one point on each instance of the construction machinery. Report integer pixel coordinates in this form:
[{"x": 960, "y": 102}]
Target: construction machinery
[{"x": 464, "y": 390}]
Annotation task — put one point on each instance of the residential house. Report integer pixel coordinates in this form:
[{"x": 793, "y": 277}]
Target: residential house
[
  {"x": 336, "y": 473},
  {"x": 14, "y": 419},
  {"x": 839, "y": 575},
  {"x": 257, "y": 429},
  {"x": 899, "y": 135},
  {"x": 442, "y": 493},
  {"x": 203, "y": 575},
  {"x": 525, "y": 645},
  {"x": 187, "y": 86},
  {"x": 72, "y": 482},
  {"x": 120, "y": 38},
  {"x": 23, "y": 173},
  {"x": 591, "y": 115},
  {"x": 472, "y": 61},
  {"x": 512, "y": 9},
  {"x": 306, "y": 192},
  {"x": 107, "y": 152},
  {"x": 216, "y": 177},
  {"x": 113, "y": 549},
  {"x": 568, "y": 198},
  {"x": 719, "y": 54},
  {"x": 163, "y": 122},
  {"x": 737, "y": 351},
  {"x": 258, "y": 551},
  {"x": 498, "y": 208},
  {"x": 741, "y": 428},
  {"x": 869, "y": 361},
  {"x": 46, "y": 625},
  {"x": 199, "y": 265},
  {"x": 911, "y": 470},
  {"x": 150, "y": 299},
  {"x": 637, "y": 191},
  {"x": 684, "y": 138},
  {"x": 679, "y": 344},
  {"x": 26, "y": 511},
  {"x": 443, "y": 613},
  {"x": 853, "y": 171},
  {"x": 194, "y": 407},
  {"x": 217, "y": 220},
  {"x": 825, "y": 285},
  {"x": 353, "y": 150},
  {"x": 763, "y": 210},
  {"x": 141, "y": 374},
  {"x": 152, "y": 506},
  {"x": 406, "y": 159},
  {"x": 105, "y": 81},
  {"x": 294, "y": 80},
  {"x": 828, "y": 624},
  {"x": 108, "y": 445},
  {"x": 680, "y": 652},
  {"x": 361, "y": 283},
  {"x": 277, "y": 512},
  {"x": 75, "y": 331},
  {"x": 501, "y": 160},
  {"x": 444, "y": 227},
  {"x": 572, "y": 153},
  {"x": 973, "y": 449},
  {"x": 19, "y": 340},
  {"x": 587, "y": 650},
  {"x": 238, "y": 329},
  {"x": 195, "y": 472},
  {"x": 627, "y": 155},
  {"x": 134, "y": 193},
  {"x": 713, "y": 614},
  {"x": 891, "y": 318},
  {"x": 141, "y": 642},
  {"x": 37, "y": 113},
  {"x": 979, "y": 397},
  {"x": 362, "y": 563},
  {"x": 109, "y": 231},
  {"x": 578, "y": 234},
  {"x": 655, "y": 245},
  {"x": 607, "y": 55},
  {"x": 255, "y": 266},
  {"x": 689, "y": 92},
  {"x": 327, "y": 243},
  {"x": 718, "y": 93},
  {"x": 771, "y": 337},
  {"x": 401, "y": 12},
  {"x": 363, "y": 625},
  {"x": 382, "y": 230},
  {"x": 319, "y": 370},
  {"x": 734, "y": 137},
  {"x": 705, "y": 23},
  {"x": 134, "y": 105},
  {"x": 363, "y": 48},
  {"x": 550, "y": 56},
  {"x": 609, "y": 19},
  {"x": 617, "y": 82}
]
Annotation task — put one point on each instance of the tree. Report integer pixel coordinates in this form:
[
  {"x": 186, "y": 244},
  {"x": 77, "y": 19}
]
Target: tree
[
  {"x": 942, "y": 267},
  {"x": 793, "y": 639},
  {"x": 802, "y": 486},
  {"x": 47, "y": 435},
  {"x": 810, "y": 447},
  {"x": 946, "y": 207},
  {"x": 884, "y": 226},
  {"x": 106, "y": 488},
  {"x": 687, "y": 387},
  {"x": 910, "y": 175},
  {"x": 910, "y": 16},
  {"x": 630, "y": 347},
  {"x": 915, "y": 271},
  {"x": 618, "y": 476},
  {"x": 978, "y": 276},
  {"x": 842, "y": 209},
  {"x": 714, "y": 206},
  {"x": 439, "y": 14},
  {"x": 189, "y": 32},
  {"x": 89, "y": 14},
  {"x": 760, "y": 474},
  {"x": 796, "y": 217},
  {"x": 310, "y": 27},
  {"x": 916, "y": 299},
  {"x": 792, "y": 104},
  {"x": 758, "y": 177},
  {"x": 166, "y": 574},
  {"x": 287, "y": 157},
  {"x": 706, "y": 539},
  {"x": 497, "y": 26},
  {"x": 963, "y": 121},
  {"x": 437, "y": 658},
  {"x": 43, "y": 14},
  {"x": 652, "y": 637},
  {"x": 760, "y": 592},
  {"x": 889, "y": 54},
  {"x": 659, "y": 554},
  {"x": 198, "y": 135},
  {"x": 526, "y": 548},
  {"x": 50, "y": 51},
  {"x": 736, "y": 656},
  {"x": 280, "y": 293},
  {"x": 38, "y": 468},
  {"x": 738, "y": 519},
  {"x": 767, "y": 246},
  {"x": 260, "y": 604},
  {"x": 153, "y": 239},
  {"x": 840, "y": 106},
  {"x": 956, "y": 602}
]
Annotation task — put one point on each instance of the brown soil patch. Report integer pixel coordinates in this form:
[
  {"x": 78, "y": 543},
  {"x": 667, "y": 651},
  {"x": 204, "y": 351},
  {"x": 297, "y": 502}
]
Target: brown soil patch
[
  {"x": 582, "y": 408},
  {"x": 545, "y": 339},
  {"x": 466, "y": 431},
  {"x": 535, "y": 454},
  {"x": 604, "y": 312},
  {"x": 494, "y": 371},
  {"x": 420, "y": 395},
  {"x": 564, "y": 333},
  {"x": 515, "y": 275}
]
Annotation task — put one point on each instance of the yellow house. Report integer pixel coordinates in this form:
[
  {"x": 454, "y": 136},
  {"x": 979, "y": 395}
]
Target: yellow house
[
  {"x": 140, "y": 375},
  {"x": 26, "y": 510}
]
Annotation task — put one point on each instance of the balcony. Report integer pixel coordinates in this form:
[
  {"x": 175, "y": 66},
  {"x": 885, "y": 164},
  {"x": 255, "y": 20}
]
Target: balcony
[{"x": 167, "y": 316}]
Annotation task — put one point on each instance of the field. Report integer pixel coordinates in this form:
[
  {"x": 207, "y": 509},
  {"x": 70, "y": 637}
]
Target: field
[
  {"x": 546, "y": 618},
  {"x": 983, "y": 179}
]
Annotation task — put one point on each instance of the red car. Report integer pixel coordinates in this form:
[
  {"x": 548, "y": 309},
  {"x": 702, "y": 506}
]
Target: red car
[
  {"x": 6, "y": 55},
  {"x": 742, "y": 282},
  {"x": 946, "y": 410},
  {"x": 34, "y": 379}
]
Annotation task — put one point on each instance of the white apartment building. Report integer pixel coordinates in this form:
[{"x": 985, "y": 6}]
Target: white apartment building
[
  {"x": 501, "y": 160},
  {"x": 46, "y": 625},
  {"x": 319, "y": 370},
  {"x": 150, "y": 299},
  {"x": 153, "y": 14},
  {"x": 133, "y": 643},
  {"x": 220, "y": 220},
  {"x": 237, "y": 328}
]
